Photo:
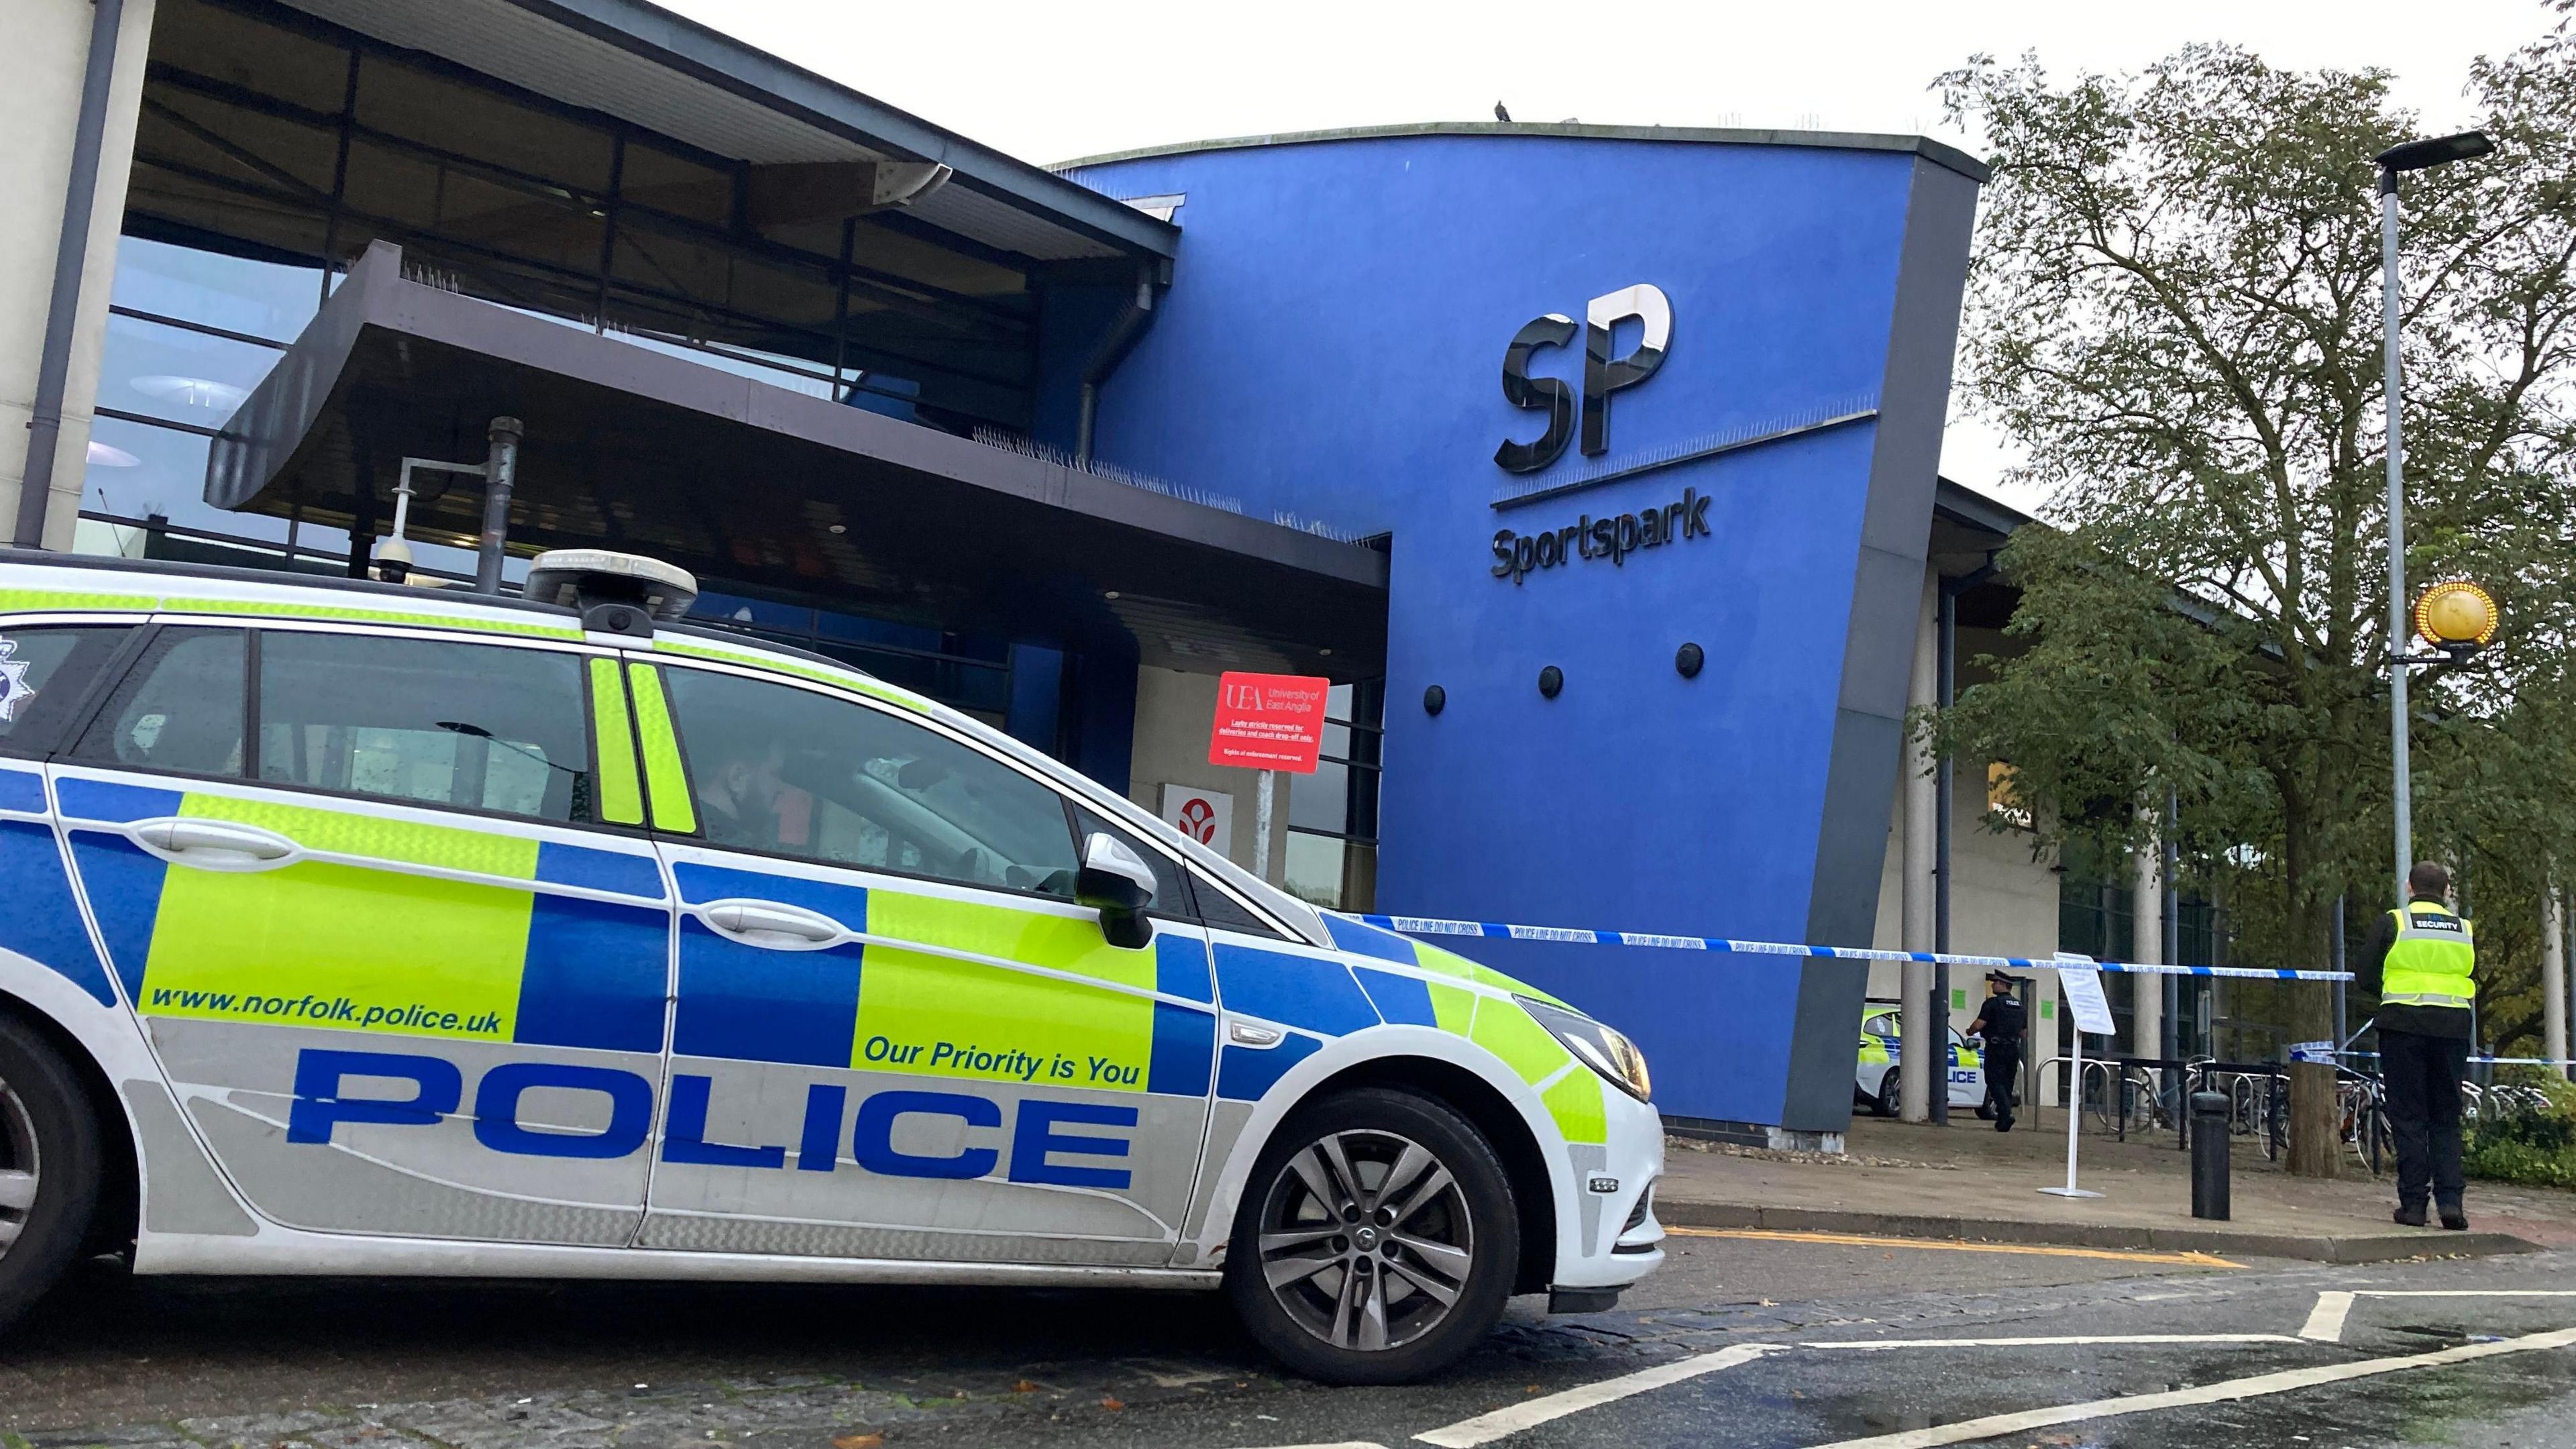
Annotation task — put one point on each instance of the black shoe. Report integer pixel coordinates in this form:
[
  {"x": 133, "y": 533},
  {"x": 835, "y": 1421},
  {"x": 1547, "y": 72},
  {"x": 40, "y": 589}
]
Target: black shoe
[
  {"x": 2454, "y": 1217},
  {"x": 2410, "y": 1214},
  {"x": 2003, "y": 1124}
]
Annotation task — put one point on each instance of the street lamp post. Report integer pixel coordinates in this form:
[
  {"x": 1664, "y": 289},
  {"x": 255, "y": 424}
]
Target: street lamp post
[{"x": 2413, "y": 156}]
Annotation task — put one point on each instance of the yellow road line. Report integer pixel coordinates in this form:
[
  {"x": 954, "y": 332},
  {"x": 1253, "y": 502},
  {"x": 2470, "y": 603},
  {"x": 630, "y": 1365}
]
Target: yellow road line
[{"x": 1959, "y": 1245}]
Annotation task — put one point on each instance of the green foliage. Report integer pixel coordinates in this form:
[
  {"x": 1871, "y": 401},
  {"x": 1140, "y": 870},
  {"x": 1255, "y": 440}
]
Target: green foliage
[
  {"x": 2175, "y": 311},
  {"x": 2537, "y": 1148}
]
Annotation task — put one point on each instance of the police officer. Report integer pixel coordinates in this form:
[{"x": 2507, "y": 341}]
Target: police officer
[
  {"x": 2423, "y": 957},
  {"x": 2000, "y": 1022}
]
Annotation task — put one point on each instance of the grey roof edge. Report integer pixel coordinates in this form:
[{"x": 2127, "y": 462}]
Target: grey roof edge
[
  {"x": 1978, "y": 510},
  {"x": 1937, "y": 152},
  {"x": 682, "y": 44}
]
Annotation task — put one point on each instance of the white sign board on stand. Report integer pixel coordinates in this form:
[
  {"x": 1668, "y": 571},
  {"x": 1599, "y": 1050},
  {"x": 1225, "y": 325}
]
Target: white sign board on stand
[{"x": 2080, "y": 981}]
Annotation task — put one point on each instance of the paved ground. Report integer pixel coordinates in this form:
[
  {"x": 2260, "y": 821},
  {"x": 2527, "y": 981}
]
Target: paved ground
[
  {"x": 1717, "y": 1350},
  {"x": 1899, "y": 1176}
]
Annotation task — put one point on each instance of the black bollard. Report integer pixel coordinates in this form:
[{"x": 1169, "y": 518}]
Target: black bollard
[{"x": 2209, "y": 1113}]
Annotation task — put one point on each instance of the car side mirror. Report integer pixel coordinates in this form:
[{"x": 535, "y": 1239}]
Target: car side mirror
[{"x": 1120, "y": 886}]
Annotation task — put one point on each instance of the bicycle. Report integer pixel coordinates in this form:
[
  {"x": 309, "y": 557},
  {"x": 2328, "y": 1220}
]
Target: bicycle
[{"x": 2362, "y": 1112}]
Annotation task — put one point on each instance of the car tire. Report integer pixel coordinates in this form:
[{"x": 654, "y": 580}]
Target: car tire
[
  {"x": 49, "y": 1168},
  {"x": 1315, "y": 1282},
  {"x": 1890, "y": 1099}
]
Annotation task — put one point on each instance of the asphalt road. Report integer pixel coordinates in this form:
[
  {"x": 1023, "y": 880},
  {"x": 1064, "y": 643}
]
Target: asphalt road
[{"x": 1733, "y": 1344}]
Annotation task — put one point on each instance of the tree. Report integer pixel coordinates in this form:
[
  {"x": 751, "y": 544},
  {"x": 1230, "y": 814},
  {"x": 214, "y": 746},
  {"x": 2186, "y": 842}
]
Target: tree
[{"x": 2174, "y": 309}]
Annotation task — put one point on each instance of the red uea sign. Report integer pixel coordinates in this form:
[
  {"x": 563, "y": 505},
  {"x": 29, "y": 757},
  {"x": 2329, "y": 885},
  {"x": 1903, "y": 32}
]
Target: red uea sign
[{"x": 1269, "y": 722}]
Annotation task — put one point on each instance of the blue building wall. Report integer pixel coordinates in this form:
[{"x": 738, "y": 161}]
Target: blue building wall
[{"x": 1332, "y": 348}]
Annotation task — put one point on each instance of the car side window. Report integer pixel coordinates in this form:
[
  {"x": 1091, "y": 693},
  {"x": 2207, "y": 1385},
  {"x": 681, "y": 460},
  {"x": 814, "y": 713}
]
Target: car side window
[
  {"x": 1883, "y": 1024},
  {"x": 786, "y": 771},
  {"x": 1219, "y": 911},
  {"x": 46, "y": 670},
  {"x": 472, "y": 726},
  {"x": 178, "y": 709}
]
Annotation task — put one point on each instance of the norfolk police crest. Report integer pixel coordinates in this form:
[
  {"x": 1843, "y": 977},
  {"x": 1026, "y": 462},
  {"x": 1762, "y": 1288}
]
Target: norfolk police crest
[{"x": 14, "y": 690}]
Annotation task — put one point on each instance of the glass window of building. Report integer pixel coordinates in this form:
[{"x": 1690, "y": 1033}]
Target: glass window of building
[
  {"x": 1332, "y": 813},
  {"x": 273, "y": 147}
]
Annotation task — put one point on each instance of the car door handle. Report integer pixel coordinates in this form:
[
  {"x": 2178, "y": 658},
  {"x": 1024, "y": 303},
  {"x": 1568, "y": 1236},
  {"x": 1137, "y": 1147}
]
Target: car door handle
[
  {"x": 751, "y": 921},
  {"x": 213, "y": 838}
]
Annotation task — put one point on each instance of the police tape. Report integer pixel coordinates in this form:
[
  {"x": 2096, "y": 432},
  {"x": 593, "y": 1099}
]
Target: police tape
[
  {"x": 2487, "y": 1061},
  {"x": 1579, "y": 936}
]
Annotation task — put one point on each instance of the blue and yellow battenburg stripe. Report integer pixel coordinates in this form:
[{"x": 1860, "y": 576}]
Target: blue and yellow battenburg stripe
[
  {"x": 340, "y": 944},
  {"x": 1570, "y": 1090},
  {"x": 343, "y": 945},
  {"x": 42, "y": 920}
]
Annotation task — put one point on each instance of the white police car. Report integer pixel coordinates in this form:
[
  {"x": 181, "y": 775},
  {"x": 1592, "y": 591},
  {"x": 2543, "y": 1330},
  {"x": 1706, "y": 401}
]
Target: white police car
[
  {"x": 1876, "y": 1080},
  {"x": 360, "y": 929}
]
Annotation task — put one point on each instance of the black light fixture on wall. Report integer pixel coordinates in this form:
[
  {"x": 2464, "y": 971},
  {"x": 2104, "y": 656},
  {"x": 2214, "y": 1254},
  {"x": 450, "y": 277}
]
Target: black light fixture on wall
[
  {"x": 1551, "y": 682},
  {"x": 1434, "y": 699},
  {"x": 1688, "y": 660}
]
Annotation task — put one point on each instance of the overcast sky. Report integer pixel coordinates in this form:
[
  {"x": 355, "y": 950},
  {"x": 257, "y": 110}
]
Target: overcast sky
[{"x": 1055, "y": 80}]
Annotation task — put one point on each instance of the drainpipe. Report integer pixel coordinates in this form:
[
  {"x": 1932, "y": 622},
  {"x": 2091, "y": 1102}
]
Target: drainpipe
[
  {"x": 71, "y": 253},
  {"x": 1114, "y": 343}
]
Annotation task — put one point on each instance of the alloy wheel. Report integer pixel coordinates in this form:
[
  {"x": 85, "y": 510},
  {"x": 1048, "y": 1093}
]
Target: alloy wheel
[
  {"x": 18, "y": 1166},
  {"x": 1366, "y": 1240}
]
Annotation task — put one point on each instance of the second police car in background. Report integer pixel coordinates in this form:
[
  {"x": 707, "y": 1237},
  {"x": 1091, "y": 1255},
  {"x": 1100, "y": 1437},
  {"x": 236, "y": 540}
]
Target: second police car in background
[
  {"x": 359, "y": 929},
  {"x": 1875, "y": 1081}
]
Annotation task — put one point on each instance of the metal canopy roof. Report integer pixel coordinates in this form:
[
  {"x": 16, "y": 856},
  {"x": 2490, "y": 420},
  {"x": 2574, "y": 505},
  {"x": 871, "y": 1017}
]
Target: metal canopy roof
[
  {"x": 643, "y": 64},
  {"x": 746, "y": 483},
  {"x": 1924, "y": 146}
]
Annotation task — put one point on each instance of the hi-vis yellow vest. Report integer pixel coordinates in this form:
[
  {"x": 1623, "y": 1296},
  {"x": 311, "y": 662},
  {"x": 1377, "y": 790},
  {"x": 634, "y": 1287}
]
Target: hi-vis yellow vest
[{"x": 2430, "y": 962}]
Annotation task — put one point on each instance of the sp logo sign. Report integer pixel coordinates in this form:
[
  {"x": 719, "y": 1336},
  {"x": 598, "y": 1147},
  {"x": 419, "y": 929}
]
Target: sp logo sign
[{"x": 1602, "y": 373}]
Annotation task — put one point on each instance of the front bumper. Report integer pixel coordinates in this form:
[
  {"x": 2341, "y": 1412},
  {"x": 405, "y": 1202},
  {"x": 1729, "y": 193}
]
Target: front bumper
[{"x": 1616, "y": 1239}]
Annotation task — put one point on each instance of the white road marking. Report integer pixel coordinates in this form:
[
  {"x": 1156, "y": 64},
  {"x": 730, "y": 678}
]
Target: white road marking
[
  {"x": 1486, "y": 1428},
  {"x": 2246, "y": 1388},
  {"x": 2325, "y": 1321},
  {"x": 2048, "y": 1342}
]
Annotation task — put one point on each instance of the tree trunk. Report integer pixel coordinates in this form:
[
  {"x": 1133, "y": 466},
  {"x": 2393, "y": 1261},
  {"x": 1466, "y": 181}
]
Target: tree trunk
[{"x": 2316, "y": 1146}]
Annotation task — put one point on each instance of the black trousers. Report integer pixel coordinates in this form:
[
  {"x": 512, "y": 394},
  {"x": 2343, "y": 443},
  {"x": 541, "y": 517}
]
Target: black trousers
[
  {"x": 2002, "y": 1061},
  {"x": 2423, "y": 1079}
]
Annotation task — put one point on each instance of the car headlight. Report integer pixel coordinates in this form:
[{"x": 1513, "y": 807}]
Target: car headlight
[{"x": 1603, "y": 1049}]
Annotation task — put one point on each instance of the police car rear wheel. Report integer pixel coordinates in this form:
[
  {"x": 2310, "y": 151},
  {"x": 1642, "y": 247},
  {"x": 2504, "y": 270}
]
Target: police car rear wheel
[
  {"x": 49, "y": 1168},
  {"x": 1378, "y": 1239}
]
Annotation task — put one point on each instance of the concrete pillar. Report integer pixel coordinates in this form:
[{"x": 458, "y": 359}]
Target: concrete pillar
[
  {"x": 2553, "y": 974},
  {"x": 2147, "y": 948},
  {"x": 1926, "y": 1034},
  {"x": 41, "y": 71}
]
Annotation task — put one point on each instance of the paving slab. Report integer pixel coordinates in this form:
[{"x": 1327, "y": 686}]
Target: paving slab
[{"x": 1970, "y": 1182}]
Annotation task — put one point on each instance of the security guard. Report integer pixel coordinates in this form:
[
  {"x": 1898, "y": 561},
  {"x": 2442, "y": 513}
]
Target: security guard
[
  {"x": 2424, "y": 956},
  {"x": 2000, "y": 1021}
]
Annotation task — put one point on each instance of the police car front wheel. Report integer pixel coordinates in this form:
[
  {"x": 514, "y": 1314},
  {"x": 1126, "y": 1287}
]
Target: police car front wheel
[
  {"x": 49, "y": 1167},
  {"x": 1378, "y": 1239}
]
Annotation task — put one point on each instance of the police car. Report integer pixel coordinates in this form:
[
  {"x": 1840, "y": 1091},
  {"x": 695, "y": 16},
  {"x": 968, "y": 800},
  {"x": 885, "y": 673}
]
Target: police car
[
  {"x": 360, "y": 929},
  {"x": 1875, "y": 1082}
]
